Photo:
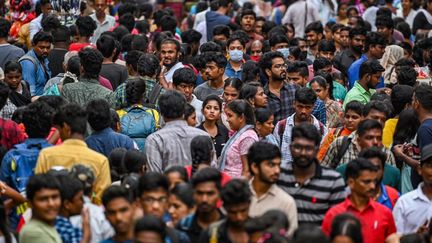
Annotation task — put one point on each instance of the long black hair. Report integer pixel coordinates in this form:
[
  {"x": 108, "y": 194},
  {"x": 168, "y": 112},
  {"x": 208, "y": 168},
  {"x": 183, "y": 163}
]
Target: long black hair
[{"x": 406, "y": 127}]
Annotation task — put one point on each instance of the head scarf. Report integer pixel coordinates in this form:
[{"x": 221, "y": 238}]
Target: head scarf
[{"x": 392, "y": 54}]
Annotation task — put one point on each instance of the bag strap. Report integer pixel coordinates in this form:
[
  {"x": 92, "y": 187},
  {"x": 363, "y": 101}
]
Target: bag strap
[
  {"x": 154, "y": 93},
  {"x": 29, "y": 58},
  {"x": 346, "y": 141},
  {"x": 135, "y": 107}
]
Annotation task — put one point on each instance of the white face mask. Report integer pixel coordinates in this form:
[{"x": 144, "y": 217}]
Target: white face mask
[
  {"x": 236, "y": 55},
  {"x": 285, "y": 52}
]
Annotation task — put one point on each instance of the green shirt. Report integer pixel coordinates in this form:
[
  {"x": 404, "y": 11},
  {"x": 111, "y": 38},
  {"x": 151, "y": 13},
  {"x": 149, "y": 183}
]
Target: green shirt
[
  {"x": 37, "y": 231},
  {"x": 358, "y": 93},
  {"x": 86, "y": 90},
  {"x": 392, "y": 175},
  {"x": 339, "y": 91}
]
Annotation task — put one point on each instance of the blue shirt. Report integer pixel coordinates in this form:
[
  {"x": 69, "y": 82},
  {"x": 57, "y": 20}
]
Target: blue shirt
[
  {"x": 231, "y": 73},
  {"x": 319, "y": 111},
  {"x": 36, "y": 74},
  {"x": 106, "y": 140},
  {"x": 354, "y": 72},
  {"x": 384, "y": 198},
  {"x": 67, "y": 232}
]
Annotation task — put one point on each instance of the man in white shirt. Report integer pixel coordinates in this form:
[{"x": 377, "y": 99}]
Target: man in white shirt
[
  {"x": 169, "y": 52},
  {"x": 36, "y": 24},
  {"x": 103, "y": 21},
  {"x": 413, "y": 211},
  {"x": 264, "y": 163},
  {"x": 309, "y": 14}
]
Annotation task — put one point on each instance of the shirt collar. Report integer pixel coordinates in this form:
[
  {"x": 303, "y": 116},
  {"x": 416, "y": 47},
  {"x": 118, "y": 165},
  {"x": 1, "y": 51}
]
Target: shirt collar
[
  {"x": 349, "y": 204},
  {"x": 361, "y": 89},
  {"x": 74, "y": 141},
  {"x": 419, "y": 193},
  {"x": 271, "y": 190},
  {"x": 384, "y": 196}
]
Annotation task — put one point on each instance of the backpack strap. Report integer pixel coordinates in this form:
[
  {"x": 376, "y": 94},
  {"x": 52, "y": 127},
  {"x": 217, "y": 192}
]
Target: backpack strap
[
  {"x": 29, "y": 58},
  {"x": 213, "y": 231},
  {"x": 154, "y": 93},
  {"x": 346, "y": 141},
  {"x": 135, "y": 107},
  {"x": 282, "y": 124}
]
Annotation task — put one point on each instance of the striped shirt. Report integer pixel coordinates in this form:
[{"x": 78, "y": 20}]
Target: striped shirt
[{"x": 317, "y": 195}]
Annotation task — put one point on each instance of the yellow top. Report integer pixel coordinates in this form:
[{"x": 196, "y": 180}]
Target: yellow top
[
  {"x": 388, "y": 132},
  {"x": 72, "y": 152}
]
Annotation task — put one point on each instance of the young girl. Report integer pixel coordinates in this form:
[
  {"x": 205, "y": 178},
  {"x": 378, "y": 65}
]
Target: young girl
[
  {"x": 233, "y": 160},
  {"x": 231, "y": 92},
  {"x": 264, "y": 125},
  {"x": 212, "y": 110},
  {"x": 254, "y": 94},
  {"x": 190, "y": 115}
]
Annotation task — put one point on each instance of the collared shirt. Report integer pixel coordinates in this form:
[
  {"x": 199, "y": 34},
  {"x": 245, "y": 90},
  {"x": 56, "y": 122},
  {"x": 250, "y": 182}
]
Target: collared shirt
[
  {"x": 274, "y": 198},
  {"x": 385, "y": 198},
  {"x": 412, "y": 210},
  {"x": 171, "y": 145},
  {"x": 68, "y": 233},
  {"x": 85, "y": 91},
  {"x": 106, "y": 140},
  {"x": 286, "y": 137},
  {"x": 72, "y": 152},
  {"x": 120, "y": 92},
  {"x": 220, "y": 139},
  {"x": 354, "y": 73},
  {"x": 376, "y": 220},
  {"x": 106, "y": 25},
  {"x": 231, "y": 73},
  {"x": 170, "y": 73},
  {"x": 358, "y": 93},
  {"x": 351, "y": 153},
  {"x": 36, "y": 231},
  {"x": 319, "y": 111},
  {"x": 284, "y": 106},
  {"x": 322, "y": 191},
  {"x": 36, "y": 74},
  {"x": 344, "y": 59}
]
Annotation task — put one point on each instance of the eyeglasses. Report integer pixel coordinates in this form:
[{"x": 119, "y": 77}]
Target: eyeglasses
[{"x": 152, "y": 200}]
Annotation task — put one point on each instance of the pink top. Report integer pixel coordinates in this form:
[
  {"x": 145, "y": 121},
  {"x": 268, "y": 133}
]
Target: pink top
[
  {"x": 234, "y": 166},
  {"x": 105, "y": 82}
]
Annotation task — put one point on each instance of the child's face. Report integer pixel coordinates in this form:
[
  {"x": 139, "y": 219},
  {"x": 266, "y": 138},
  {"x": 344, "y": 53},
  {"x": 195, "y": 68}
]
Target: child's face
[
  {"x": 13, "y": 79},
  {"x": 191, "y": 120}
]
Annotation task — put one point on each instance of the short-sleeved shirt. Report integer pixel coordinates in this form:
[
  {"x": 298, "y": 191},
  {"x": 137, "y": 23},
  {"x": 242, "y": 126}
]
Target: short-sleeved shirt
[
  {"x": 203, "y": 90},
  {"x": 424, "y": 133},
  {"x": 36, "y": 231},
  {"x": 234, "y": 165},
  {"x": 358, "y": 93},
  {"x": 67, "y": 231},
  {"x": 376, "y": 220},
  {"x": 220, "y": 139},
  {"x": 115, "y": 73}
]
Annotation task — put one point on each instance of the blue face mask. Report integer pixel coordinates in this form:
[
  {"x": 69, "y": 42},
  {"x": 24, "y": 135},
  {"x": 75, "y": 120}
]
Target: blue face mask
[
  {"x": 236, "y": 55},
  {"x": 285, "y": 52}
]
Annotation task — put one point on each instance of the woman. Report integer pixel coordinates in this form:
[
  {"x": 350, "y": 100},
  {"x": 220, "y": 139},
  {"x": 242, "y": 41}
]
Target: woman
[
  {"x": 190, "y": 115},
  {"x": 137, "y": 121},
  {"x": 423, "y": 20},
  {"x": 346, "y": 228},
  {"x": 176, "y": 174},
  {"x": 342, "y": 17},
  {"x": 334, "y": 110},
  {"x": 180, "y": 202},
  {"x": 408, "y": 12},
  {"x": 231, "y": 92},
  {"x": 254, "y": 94},
  {"x": 264, "y": 125},
  {"x": 212, "y": 110},
  {"x": 392, "y": 54},
  {"x": 405, "y": 147},
  {"x": 240, "y": 117},
  {"x": 352, "y": 117}
]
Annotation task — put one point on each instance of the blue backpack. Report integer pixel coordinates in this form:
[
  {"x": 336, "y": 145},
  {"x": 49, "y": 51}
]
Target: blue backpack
[
  {"x": 138, "y": 123},
  {"x": 24, "y": 158}
]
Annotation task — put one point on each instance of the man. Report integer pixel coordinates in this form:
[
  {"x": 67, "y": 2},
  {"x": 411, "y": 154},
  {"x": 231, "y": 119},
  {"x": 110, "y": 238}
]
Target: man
[
  {"x": 280, "y": 94},
  {"x": 43, "y": 194},
  {"x": 37, "y": 121},
  {"x": 215, "y": 64},
  {"x": 120, "y": 212},
  {"x": 35, "y": 69},
  {"x": 103, "y": 21},
  {"x": 85, "y": 28},
  {"x": 247, "y": 23},
  {"x": 88, "y": 87},
  {"x": 171, "y": 145},
  {"x": 72, "y": 204},
  {"x": 326, "y": 50},
  {"x": 346, "y": 57},
  {"x": 314, "y": 33},
  {"x": 385, "y": 27},
  {"x": 104, "y": 139},
  {"x": 61, "y": 40},
  {"x": 370, "y": 73},
  {"x": 315, "y": 188},
  {"x": 218, "y": 17},
  {"x": 423, "y": 109},
  {"x": 235, "y": 48},
  {"x": 292, "y": 16},
  {"x": 345, "y": 149},
  {"x": 374, "y": 49},
  {"x": 36, "y": 24},
  {"x": 221, "y": 33},
  {"x": 280, "y": 43},
  {"x": 376, "y": 219},
  {"x": 376, "y": 110},
  {"x": 169, "y": 54},
  {"x": 413, "y": 210},
  {"x": 8, "y": 52},
  {"x": 305, "y": 99},
  {"x": 114, "y": 72},
  {"x": 236, "y": 197},
  {"x": 340, "y": 36},
  {"x": 184, "y": 82},
  {"x": 264, "y": 163},
  {"x": 71, "y": 122},
  {"x": 207, "y": 188}
]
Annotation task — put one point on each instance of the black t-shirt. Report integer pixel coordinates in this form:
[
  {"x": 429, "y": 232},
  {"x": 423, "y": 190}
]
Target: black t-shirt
[
  {"x": 220, "y": 139},
  {"x": 420, "y": 22},
  {"x": 115, "y": 73},
  {"x": 55, "y": 58}
]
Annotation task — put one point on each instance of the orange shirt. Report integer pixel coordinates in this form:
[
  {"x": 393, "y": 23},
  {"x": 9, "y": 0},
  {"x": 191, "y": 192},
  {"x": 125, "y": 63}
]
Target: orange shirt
[{"x": 328, "y": 140}]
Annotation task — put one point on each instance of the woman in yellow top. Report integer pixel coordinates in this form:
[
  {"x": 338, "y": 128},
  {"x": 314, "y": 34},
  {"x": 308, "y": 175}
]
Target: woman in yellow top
[
  {"x": 353, "y": 116},
  {"x": 137, "y": 121}
]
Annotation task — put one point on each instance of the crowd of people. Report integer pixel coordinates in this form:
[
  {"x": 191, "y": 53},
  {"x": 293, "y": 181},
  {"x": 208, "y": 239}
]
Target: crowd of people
[{"x": 216, "y": 121}]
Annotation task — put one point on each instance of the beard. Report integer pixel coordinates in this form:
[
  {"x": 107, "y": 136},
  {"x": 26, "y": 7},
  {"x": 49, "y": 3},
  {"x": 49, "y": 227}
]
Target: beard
[
  {"x": 357, "y": 49},
  {"x": 302, "y": 162},
  {"x": 169, "y": 66},
  {"x": 278, "y": 77}
]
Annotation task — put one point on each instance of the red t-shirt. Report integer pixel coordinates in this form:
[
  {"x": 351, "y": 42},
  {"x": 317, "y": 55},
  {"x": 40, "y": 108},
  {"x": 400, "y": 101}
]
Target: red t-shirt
[
  {"x": 377, "y": 220},
  {"x": 79, "y": 46}
]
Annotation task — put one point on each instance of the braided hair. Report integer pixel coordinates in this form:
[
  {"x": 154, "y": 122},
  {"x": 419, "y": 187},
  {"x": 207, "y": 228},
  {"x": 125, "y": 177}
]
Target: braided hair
[
  {"x": 201, "y": 151},
  {"x": 135, "y": 91}
]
